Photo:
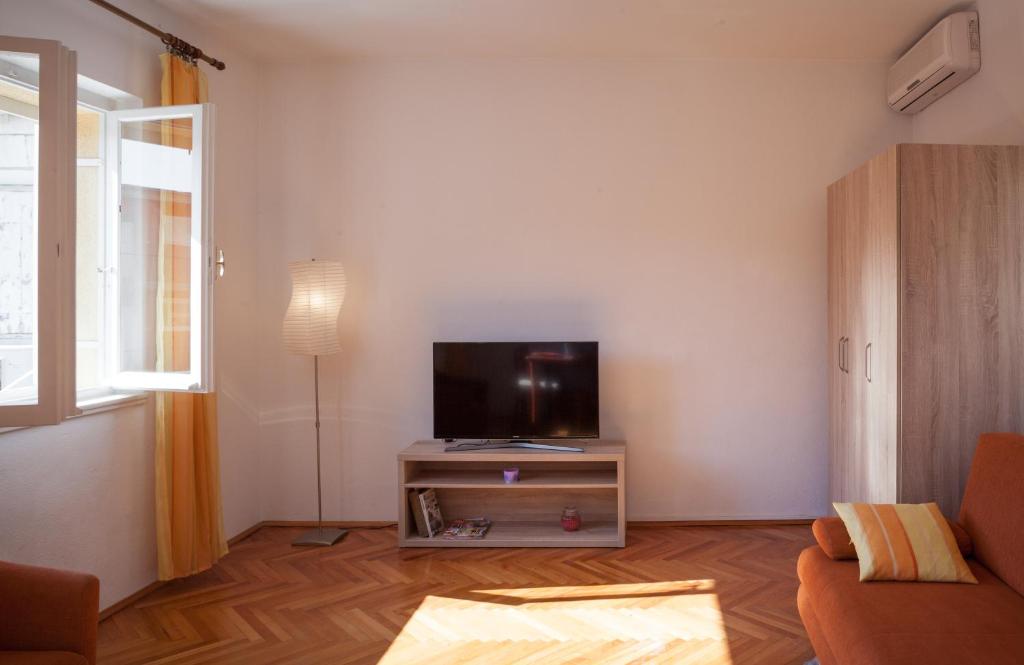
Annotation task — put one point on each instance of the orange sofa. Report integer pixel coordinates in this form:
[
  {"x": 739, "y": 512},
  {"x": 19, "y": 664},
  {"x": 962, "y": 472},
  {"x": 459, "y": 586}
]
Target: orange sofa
[
  {"x": 47, "y": 617},
  {"x": 911, "y": 623}
]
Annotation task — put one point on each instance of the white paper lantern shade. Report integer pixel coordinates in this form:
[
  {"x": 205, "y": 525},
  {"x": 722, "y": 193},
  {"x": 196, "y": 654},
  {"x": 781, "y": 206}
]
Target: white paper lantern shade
[{"x": 311, "y": 322}]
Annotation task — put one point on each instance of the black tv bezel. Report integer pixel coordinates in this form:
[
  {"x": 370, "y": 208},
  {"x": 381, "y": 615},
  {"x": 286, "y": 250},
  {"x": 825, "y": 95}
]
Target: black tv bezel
[{"x": 574, "y": 437}]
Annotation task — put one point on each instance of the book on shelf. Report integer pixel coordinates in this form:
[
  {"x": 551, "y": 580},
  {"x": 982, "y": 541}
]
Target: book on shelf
[
  {"x": 430, "y": 511},
  {"x": 417, "y": 514},
  {"x": 467, "y": 529}
]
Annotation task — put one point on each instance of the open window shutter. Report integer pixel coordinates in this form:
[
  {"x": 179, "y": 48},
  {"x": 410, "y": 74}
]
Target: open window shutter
[
  {"x": 159, "y": 173},
  {"x": 37, "y": 326}
]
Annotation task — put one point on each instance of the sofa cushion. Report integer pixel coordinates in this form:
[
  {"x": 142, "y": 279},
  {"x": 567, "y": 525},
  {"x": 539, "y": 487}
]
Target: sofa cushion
[
  {"x": 907, "y": 623},
  {"x": 993, "y": 507},
  {"x": 834, "y": 539},
  {"x": 41, "y": 658},
  {"x": 905, "y": 542}
]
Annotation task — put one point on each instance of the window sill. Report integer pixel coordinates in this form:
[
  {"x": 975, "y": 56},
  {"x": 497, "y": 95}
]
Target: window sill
[
  {"x": 99, "y": 404},
  {"x": 109, "y": 402}
]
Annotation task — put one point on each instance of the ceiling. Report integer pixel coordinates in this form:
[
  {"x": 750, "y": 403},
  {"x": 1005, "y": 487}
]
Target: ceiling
[{"x": 298, "y": 30}]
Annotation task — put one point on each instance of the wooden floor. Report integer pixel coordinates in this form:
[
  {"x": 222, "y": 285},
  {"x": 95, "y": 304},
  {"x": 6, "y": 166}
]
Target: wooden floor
[{"x": 673, "y": 595}]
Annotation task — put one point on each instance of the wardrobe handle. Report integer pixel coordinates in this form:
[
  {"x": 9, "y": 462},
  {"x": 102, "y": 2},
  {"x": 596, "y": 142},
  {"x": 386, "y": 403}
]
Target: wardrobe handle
[
  {"x": 867, "y": 362},
  {"x": 846, "y": 355},
  {"x": 840, "y": 350}
]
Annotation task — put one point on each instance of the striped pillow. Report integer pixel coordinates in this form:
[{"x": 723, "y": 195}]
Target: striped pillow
[{"x": 904, "y": 542}]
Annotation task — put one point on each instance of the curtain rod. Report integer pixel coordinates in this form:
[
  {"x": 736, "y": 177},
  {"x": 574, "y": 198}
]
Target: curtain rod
[{"x": 179, "y": 46}]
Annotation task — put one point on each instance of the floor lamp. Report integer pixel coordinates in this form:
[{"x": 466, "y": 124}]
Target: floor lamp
[{"x": 311, "y": 329}]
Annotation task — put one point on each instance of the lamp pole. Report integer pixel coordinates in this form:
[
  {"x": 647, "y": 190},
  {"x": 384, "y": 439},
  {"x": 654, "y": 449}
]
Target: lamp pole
[
  {"x": 320, "y": 536},
  {"x": 316, "y": 416}
]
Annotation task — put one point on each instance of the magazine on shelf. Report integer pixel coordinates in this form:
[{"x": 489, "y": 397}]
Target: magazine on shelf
[{"x": 467, "y": 529}]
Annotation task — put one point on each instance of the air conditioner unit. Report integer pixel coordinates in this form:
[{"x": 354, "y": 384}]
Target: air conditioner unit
[{"x": 943, "y": 59}]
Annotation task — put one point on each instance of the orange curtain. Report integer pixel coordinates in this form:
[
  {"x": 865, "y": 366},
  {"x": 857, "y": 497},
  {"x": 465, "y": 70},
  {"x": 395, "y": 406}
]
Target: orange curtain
[{"x": 189, "y": 522}]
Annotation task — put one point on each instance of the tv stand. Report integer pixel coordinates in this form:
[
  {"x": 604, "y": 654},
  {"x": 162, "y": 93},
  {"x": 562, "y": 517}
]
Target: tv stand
[
  {"x": 470, "y": 483},
  {"x": 454, "y": 445}
]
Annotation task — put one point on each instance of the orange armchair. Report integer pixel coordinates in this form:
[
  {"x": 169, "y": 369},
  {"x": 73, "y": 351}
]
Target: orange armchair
[{"x": 47, "y": 616}]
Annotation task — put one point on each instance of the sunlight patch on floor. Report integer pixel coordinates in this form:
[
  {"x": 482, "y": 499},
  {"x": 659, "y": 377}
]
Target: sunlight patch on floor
[{"x": 615, "y": 623}]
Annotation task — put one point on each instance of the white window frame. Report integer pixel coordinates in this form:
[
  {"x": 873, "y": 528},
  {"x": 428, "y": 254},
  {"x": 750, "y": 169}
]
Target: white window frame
[
  {"x": 103, "y": 99},
  {"x": 199, "y": 378},
  {"x": 23, "y": 395},
  {"x": 55, "y": 260},
  {"x": 88, "y": 395}
]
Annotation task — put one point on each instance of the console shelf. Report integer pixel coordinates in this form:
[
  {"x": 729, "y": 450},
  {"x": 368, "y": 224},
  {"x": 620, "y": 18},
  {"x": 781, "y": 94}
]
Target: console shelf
[
  {"x": 531, "y": 534},
  {"x": 470, "y": 478},
  {"x": 523, "y": 514}
]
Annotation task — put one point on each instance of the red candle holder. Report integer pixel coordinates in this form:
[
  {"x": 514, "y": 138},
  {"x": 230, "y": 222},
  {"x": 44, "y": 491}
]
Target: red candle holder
[{"x": 571, "y": 520}]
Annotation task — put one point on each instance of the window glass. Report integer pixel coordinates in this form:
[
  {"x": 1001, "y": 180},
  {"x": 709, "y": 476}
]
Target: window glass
[
  {"x": 19, "y": 237},
  {"x": 90, "y": 259},
  {"x": 155, "y": 245}
]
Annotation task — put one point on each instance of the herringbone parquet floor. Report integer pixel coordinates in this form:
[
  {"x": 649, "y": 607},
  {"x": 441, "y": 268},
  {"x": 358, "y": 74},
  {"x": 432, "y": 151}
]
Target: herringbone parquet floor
[{"x": 674, "y": 595}]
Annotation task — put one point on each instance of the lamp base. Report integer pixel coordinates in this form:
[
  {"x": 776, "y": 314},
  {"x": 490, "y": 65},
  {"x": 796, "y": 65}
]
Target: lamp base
[{"x": 321, "y": 537}]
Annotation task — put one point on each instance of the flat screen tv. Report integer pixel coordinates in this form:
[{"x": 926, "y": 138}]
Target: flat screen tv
[{"x": 515, "y": 391}]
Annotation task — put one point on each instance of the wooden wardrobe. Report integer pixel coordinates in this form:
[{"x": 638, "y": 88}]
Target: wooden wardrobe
[{"x": 925, "y": 320}]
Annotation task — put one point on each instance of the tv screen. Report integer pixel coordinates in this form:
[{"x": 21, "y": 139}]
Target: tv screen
[{"x": 515, "y": 390}]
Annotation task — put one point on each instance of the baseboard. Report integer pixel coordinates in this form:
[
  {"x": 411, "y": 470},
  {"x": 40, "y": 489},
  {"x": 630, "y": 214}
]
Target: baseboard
[
  {"x": 150, "y": 588},
  {"x": 334, "y": 524},
  {"x": 662, "y": 523},
  {"x": 377, "y": 524},
  {"x": 125, "y": 602},
  {"x": 245, "y": 534},
  {"x": 368, "y": 524}
]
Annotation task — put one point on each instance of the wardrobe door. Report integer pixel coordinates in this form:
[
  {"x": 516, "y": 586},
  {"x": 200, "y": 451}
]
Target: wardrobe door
[
  {"x": 877, "y": 327},
  {"x": 838, "y": 332},
  {"x": 847, "y": 213},
  {"x": 962, "y": 311},
  {"x": 858, "y": 445}
]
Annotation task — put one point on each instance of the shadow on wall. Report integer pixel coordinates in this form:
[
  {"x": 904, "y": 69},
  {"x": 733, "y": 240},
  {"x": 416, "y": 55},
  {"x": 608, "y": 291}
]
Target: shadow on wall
[
  {"x": 641, "y": 399},
  {"x": 700, "y": 433},
  {"x": 376, "y": 398},
  {"x": 644, "y": 402},
  {"x": 501, "y": 320}
]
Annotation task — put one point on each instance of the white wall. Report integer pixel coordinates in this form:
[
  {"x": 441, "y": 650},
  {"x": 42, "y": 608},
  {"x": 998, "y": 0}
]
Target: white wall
[
  {"x": 80, "y": 495},
  {"x": 672, "y": 210},
  {"x": 988, "y": 108}
]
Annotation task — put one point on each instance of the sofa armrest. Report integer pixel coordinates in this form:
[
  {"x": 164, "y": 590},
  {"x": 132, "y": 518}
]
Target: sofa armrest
[
  {"x": 48, "y": 610},
  {"x": 834, "y": 539}
]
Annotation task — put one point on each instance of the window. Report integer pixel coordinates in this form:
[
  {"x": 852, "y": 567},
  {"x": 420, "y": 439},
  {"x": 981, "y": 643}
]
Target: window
[
  {"x": 106, "y": 260},
  {"x": 19, "y": 176},
  {"x": 160, "y": 242},
  {"x": 36, "y": 278}
]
